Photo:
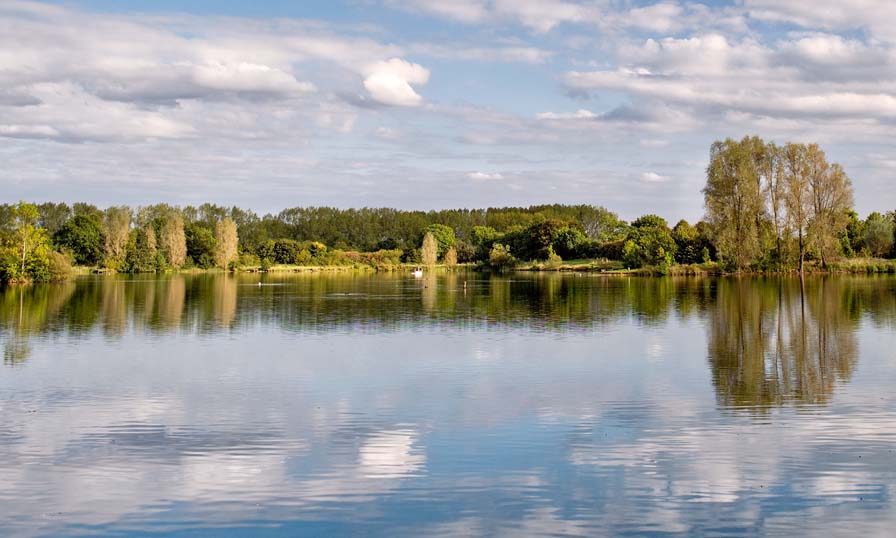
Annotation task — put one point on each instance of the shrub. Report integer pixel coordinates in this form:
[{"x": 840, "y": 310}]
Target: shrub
[{"x": 501, "y": 258}]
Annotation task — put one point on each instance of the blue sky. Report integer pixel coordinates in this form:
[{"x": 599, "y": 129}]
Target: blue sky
[{"x": 433, "y": 103}]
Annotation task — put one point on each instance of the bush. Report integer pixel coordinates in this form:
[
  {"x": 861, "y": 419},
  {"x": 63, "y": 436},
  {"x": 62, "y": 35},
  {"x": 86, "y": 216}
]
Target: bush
[
  {"x": 554, "y": 261},
  {"x": 59, "y": 266},
  {"x": 501, "y": 258}
]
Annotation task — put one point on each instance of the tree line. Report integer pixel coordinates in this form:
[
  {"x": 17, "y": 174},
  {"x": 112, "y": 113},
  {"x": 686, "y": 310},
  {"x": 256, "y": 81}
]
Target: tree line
[{"x": 768, "y": 208}]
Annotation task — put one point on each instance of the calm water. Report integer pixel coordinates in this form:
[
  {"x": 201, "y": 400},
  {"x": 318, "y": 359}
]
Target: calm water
[{"x": 557, "y": 405}]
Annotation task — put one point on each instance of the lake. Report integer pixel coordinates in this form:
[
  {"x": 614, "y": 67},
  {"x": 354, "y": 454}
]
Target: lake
[{"x": 452, "y": 405}]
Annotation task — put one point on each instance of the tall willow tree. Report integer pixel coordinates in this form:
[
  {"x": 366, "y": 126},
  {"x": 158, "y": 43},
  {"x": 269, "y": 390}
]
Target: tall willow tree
[
  {"x": 116, "y": 229},
  {"x": 797, "y": 196},
  {"x": 172, "y": 239},
  {"x": 832, "y": 199},
  {"x": 226, "y": 242},
  {"x": 771, "y": 166},
  {"x": 735, "y": 201},
  {"x": 429, "y": 251}
]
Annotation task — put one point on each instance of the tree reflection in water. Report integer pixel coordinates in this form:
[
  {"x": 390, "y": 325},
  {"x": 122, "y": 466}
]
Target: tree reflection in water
[
  {"x": 773, "y": 341},
  {"x": 770, "y": 341}
]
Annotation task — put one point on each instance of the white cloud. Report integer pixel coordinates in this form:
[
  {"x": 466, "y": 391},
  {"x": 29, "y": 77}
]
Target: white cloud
[
  {"x": 662, "y": 17},
  {"x": 538, "y": 15},
  {"x": 389, "y": 82},
  {"x": 497, "y": 53},
  {"x": 874, "y": 15},
  {"x": 711, "y": 76},
  {"x": 248, "y": 77},
  {"x": 581, "y": 114},
  {"x": 653, "y": 177},
  {"x": 468, "y": 11},
  {"x": 485, "y": 176},
  {"x": 133, "y": 78}
]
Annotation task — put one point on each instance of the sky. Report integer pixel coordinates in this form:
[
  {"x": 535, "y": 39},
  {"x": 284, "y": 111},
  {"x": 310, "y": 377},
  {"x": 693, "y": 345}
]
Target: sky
[{"x": 429, "y": 104}]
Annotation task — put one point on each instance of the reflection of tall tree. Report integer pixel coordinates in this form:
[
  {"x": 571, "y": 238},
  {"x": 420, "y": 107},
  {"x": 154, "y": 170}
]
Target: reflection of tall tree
[
  {"x": 225, "y": 300},
  {"x": 171, "y": 301},
  {"x": 114, "y": 306},
  {"x": 777, "y": 341}
]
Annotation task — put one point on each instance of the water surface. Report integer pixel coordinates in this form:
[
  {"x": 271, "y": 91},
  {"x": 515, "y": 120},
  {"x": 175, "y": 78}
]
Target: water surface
[{"x": 453, "y": 405}]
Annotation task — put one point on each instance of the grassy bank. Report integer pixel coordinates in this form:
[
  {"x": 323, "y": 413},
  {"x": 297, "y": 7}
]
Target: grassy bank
[{"x": 289, "y": 268}]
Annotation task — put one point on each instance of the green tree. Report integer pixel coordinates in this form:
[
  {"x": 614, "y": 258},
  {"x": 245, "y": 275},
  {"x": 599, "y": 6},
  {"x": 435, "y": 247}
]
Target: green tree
[
  {"x": 832, "y": 198},
  {"x": 688, "y": 244},
  {"x": 734, "y": 200},
  {"x": 25, "y": 248},
  {"x": 444, "y": 236},
  {"x": 500, "y": 257},
  {"x": 142, "y": 252},
  {"x": 603, "y": 225},
  {"x": 798, "y": 196},
  {"x": 83, "y": 236},
  {"x": 53, "y": 216},
  {"x": 201, "y": 245},
  {"x": 852, "y": 239},
  {"x": 878, "y": 235},
  {"x": 649, "y": 242}
]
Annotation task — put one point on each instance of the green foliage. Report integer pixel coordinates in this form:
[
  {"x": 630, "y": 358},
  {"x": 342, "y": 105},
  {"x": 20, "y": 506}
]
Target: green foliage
[
  {"x": 692, "y": 243},
  {"x": 649, "y": 242},
  {"x": 82, "y": 235},
  {"x": 852, "y": 240},
  {"x": 466, "y": 252},
  {"x": 878, "y": 235},
  {"x": 553, "y": 260},
  {"x": 53, "y": 216},
  {"x": 500, "y": 257},
  {"x": 141, "y": 254},
  {"x": 25, "y": 249},
  {"x": 411, "y": 256},
  {"x": 444, "y": 236},
  {"x": 200, "y": 245}
]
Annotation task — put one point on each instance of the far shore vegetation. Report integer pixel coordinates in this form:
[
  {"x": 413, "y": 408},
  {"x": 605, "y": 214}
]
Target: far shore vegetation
[{"x": 769, "y": 208}]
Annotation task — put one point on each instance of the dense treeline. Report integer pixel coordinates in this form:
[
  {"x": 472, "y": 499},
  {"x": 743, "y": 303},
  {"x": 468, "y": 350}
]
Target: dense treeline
[{"x": 768, "y": 208}]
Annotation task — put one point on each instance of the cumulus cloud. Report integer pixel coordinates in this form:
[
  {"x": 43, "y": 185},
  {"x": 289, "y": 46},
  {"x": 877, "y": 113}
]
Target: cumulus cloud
[
  {"x": 134, "y": 78},
  {"x": 389, "y": 82},
  {"x": 791, "y": 78}
]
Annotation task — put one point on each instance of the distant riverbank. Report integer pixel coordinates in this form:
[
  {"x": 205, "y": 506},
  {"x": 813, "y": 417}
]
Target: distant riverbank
[{"x": 605, "y": 267}]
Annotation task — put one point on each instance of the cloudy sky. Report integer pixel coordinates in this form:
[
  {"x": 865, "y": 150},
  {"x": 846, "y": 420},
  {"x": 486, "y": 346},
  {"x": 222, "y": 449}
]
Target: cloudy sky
[{"x": 433, "y": 103}]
